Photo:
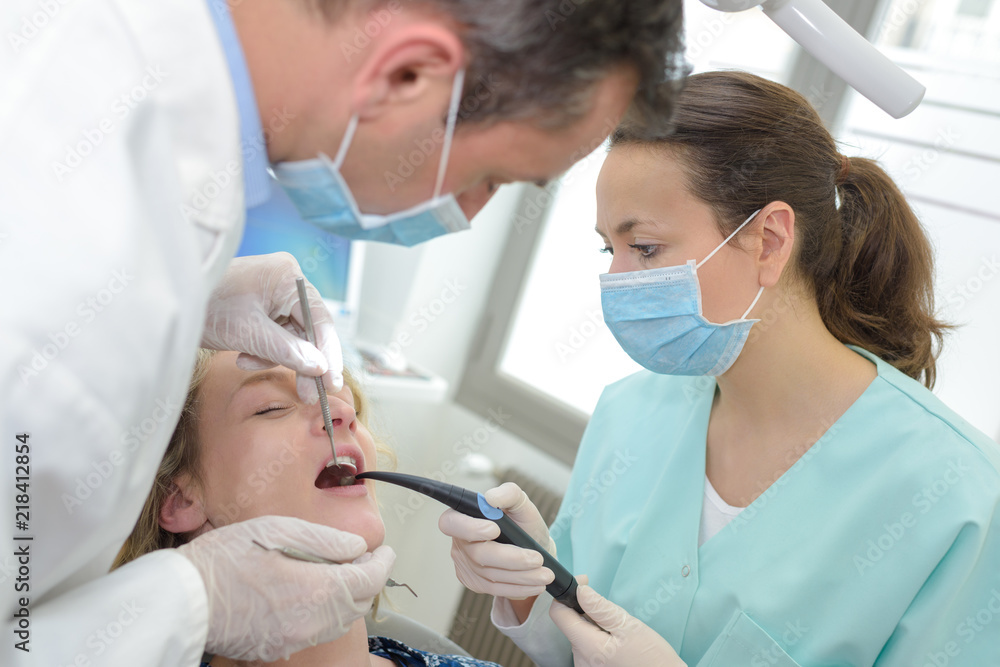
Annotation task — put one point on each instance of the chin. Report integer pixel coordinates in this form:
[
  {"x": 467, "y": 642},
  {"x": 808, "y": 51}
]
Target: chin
[
  {"x": 368, "y": 526},
  {"x": 374, "y": 536}
]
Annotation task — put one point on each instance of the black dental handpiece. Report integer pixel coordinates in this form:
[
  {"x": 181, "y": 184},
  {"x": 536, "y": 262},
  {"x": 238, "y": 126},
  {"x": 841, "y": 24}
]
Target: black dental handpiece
[{"x": 470, "y": 503}]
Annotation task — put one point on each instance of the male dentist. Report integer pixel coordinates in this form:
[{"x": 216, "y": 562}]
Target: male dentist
[{"x": 135, "y": 136}]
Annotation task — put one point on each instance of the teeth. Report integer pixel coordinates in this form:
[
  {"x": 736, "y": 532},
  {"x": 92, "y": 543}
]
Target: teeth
[{"x": 343, "y": 459}]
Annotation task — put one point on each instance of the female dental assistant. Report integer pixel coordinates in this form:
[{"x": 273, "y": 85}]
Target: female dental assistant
[{"x": 812, "y": 503}]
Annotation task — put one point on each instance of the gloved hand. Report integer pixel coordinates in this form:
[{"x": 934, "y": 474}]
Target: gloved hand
[
  {"x": 255, "y": 310},
  {"x": 501, "y": 570},
  {"x": 621, "y": 640},
  {"x": 263, "y": 605}
]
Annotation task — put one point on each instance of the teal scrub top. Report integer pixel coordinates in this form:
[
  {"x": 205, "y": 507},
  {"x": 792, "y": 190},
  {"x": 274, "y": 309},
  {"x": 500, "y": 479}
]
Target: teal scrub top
[{"x": 879, "y": 546}]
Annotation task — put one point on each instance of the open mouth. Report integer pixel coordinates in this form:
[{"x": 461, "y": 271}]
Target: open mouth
[{"x": 335, "y": 476}]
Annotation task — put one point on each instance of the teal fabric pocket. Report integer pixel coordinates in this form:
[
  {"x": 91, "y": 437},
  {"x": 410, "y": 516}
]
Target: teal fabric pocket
[{"x": 743, "y": 643}]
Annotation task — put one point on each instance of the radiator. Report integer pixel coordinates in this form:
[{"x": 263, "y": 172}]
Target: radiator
[{"x": 471, "y": 628}]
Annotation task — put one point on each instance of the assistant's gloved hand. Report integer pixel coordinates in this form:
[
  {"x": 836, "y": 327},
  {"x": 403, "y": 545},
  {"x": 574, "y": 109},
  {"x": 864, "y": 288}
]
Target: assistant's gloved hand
[
  {"x": 263, "y": 605},
  {"x": 501, "y": 570},
  {"x": 622, "y": 640},
  {"x": 255, "y": 310}
]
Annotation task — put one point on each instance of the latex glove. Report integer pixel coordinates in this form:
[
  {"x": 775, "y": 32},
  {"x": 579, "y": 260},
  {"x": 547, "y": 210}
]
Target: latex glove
[
  {"x": 501, "y": 570},
  {"x": 263, "y": 605},
  {"x": 255, "y": 310},
  {"x": 617, "y": 640}
]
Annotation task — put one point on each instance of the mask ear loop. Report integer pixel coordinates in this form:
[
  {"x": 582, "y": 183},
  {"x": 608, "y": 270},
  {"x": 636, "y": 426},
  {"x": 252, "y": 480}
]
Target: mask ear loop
[
  {"x": 721, "y": 245},
  {"x": 753, "y": 303},
  {"x": 345, "y": 143},
  {"x": 728, "y": 239},
  {"x": 456, "y": 95},
  {"x": 449, "y": 133}
]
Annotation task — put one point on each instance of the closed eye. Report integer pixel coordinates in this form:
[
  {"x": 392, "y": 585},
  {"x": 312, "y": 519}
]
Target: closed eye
[{"x": 272, "y": 407}]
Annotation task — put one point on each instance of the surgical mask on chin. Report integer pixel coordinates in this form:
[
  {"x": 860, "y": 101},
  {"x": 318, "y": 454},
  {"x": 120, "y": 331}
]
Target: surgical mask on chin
[
  {"x": 322, "y": 197},
  {"x": 656, "y": 317}
]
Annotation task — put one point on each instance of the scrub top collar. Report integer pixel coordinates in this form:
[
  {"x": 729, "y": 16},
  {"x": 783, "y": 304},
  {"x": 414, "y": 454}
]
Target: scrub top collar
[{"x": 256, "y": 180}]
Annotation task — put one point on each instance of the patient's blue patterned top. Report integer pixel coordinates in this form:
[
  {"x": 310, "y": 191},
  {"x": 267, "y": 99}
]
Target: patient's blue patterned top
[{"x": 404, "y": 656}]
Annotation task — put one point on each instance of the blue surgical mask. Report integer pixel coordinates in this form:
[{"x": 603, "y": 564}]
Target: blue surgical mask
[
  {"x": 322, "y": 197},
  {"x": 656, "y": 317}
]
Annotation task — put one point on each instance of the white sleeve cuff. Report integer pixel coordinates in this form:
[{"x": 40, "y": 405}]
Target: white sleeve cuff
[
  {"x": 538, "y": 636},
  {"x": 505, "y": 619}
]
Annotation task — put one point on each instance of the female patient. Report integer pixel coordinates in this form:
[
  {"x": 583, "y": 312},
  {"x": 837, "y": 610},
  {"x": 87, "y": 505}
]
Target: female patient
[{"x": 245, "y": 447}]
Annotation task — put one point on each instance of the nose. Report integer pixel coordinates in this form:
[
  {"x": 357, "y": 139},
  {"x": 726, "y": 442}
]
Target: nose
[
  {"x": 472, "y": 201},
  {"x": 620, "y": 264},
  {"x": 342, "y": 415}
]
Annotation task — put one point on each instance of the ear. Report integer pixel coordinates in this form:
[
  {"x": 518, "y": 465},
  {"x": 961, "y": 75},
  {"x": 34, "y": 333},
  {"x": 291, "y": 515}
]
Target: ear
[
  {"x": 183, "y": 510},
  {"x": 408, "y": 62},
  {"x": 777, "y": 240}
]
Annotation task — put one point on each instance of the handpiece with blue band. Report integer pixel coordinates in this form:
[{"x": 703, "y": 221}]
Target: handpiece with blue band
[{"x": 470, "y": 503}]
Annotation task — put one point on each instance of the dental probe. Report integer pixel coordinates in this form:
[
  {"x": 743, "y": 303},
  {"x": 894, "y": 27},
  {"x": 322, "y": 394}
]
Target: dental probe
[
  {"x": 306, "y": 557},
  {"x": 299, "y": 554},
  {"x": 563, "y": 587},
  {"x": 340, "y": 461}
]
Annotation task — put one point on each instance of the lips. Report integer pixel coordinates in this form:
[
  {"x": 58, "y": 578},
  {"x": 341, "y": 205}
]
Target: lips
[{"x": 332, "y": 476}]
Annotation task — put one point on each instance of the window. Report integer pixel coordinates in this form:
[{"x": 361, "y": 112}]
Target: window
[
  {"x": 543, "y": 349},
  {"x": 978, "y": 8}
]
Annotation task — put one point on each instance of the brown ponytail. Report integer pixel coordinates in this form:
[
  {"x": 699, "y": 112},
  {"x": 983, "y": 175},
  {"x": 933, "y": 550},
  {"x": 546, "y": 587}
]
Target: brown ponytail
[
  {"x": 880, "y": 293},
  {"x": 746, "y": 142}
]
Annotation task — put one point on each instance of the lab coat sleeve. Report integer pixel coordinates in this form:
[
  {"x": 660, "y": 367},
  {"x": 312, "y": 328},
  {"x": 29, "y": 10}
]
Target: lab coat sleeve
[
  {"x": 113, "y": 128},
  {"x": 538, "y": 636},
  {"x": 154, "y": 609}
]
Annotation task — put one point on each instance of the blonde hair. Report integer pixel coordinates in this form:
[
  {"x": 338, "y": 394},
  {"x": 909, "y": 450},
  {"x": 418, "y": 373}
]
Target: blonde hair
[{"x": 183, "y": 457}]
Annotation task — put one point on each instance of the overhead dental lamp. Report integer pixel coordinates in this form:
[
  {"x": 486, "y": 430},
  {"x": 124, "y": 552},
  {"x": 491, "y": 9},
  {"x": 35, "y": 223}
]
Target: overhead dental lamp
[{"x": 838, "y": 46}]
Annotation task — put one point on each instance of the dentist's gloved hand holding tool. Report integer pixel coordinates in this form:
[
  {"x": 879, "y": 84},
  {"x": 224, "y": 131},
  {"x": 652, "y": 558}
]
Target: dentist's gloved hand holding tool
[
  {"x": 343, "y": 462},
  {"x": 517, "y": 564},
  {"x": 483, "y": 564},
  {"x": 255, "y": 309},
  {"x": 255, "y": 594},
  {"x": 609, "y": 636}
]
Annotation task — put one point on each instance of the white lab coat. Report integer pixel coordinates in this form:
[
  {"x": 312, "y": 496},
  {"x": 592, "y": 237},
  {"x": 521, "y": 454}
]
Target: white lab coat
[{"x": 121, "y": 202}]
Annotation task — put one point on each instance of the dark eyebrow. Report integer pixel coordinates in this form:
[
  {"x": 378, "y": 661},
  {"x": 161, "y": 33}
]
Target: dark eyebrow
[
  {"x": 624, "y": 227},
  {"x": 270, "y": 375}
]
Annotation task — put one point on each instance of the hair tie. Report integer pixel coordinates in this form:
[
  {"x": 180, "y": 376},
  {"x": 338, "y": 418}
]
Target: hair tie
[{"x": 845, "y": 168}]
